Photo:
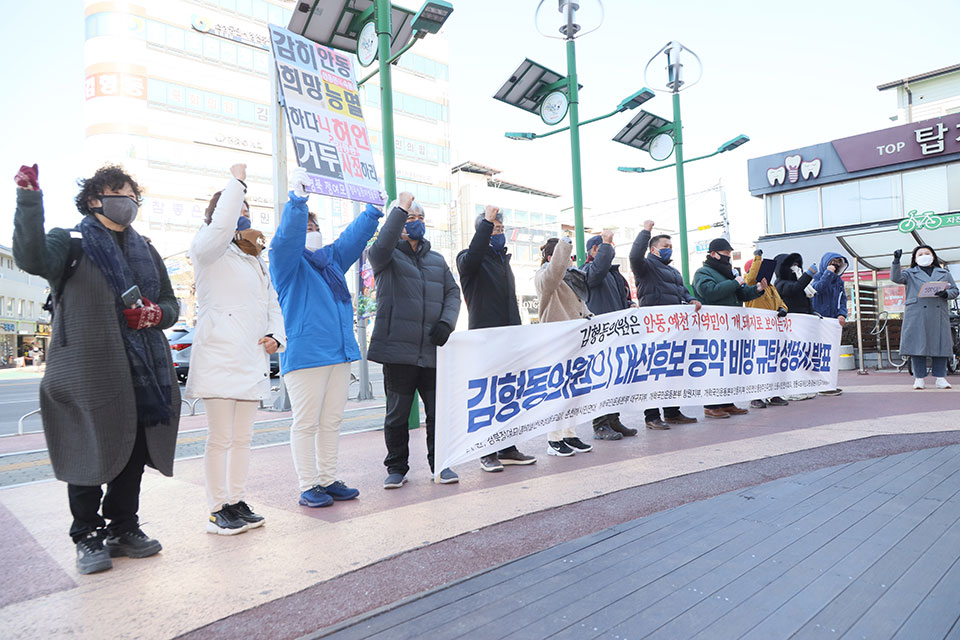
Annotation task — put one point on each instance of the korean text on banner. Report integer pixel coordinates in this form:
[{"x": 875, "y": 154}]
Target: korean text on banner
[
  {"x": 322, "y": 103},
  {"x": 498, "y": 387}
]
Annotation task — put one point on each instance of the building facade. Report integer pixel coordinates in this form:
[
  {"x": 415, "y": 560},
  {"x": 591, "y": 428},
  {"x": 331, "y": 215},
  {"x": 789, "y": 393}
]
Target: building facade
[
  {"x": 178, "y": 91},
  {"x": 23, "y": 322}
]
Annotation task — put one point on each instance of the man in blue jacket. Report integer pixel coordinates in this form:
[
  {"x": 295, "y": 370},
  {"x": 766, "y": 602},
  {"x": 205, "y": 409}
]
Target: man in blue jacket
[
  {"x": 318, "y": 317},
  {"x": 607, "y": 292},
  {"x": 830, "y": 301}
]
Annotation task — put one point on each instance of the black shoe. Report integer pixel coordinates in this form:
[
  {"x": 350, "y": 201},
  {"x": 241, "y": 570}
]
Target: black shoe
[
  {"x": 777, "y": 401},
  {"x": 514, "y": 456},
  {"x": 91, "y": 556},
  {"x": 657, "y": 425},
  {"x": 245, "y": 513},
  {"x": 758, "y": 404},
  {"x": 606, "y": 432},
  {"x": 621, "y": 428},
  {"x": 578, "y": 445},
  {"x": 491, "y": 463},
  {"x": 133, "y": 544},
  {"x": 225, "y": 522},
  {"x": 559, "y": 448}
]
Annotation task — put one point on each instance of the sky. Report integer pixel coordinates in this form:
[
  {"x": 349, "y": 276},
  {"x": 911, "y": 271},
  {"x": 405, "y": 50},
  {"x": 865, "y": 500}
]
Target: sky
[{"x": 784, "y": 74}]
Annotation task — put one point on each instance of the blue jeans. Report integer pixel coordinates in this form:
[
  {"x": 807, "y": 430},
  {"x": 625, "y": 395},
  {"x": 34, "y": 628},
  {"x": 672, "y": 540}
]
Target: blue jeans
[{"x": 920, "y": 367}]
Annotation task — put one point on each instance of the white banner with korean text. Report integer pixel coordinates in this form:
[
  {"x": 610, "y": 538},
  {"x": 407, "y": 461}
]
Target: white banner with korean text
[{"x": 499, "y": 387}]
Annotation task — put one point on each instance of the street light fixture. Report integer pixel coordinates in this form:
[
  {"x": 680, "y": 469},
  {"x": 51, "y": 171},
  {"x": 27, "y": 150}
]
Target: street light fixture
[
  {"x": 555, "y": 96},
  {"x": 630, "y": 102},
  {"x": 730, "y": 145},
  {"x": 431, "y": 16}
]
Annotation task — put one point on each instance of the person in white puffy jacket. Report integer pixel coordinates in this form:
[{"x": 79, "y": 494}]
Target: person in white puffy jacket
[{"x": 239, "y": 325}]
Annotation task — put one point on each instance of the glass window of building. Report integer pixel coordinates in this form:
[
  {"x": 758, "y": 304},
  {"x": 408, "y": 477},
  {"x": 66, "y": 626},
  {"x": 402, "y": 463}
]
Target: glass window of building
[
  {"x": 156, "y": 32},
  {"x": 193, "y": 43},
  {"x": 536, "y": 219},
  {"x": 801, "y": 210},
  {"x": 9, "y": 306},
  {"x": 245, "y": 7},
  {"x": 175, "y": 38},
  {"x": 774, "y": 206},
  {"x": 211, "y": 49},
  {"x": 953, "y": 187},
  {"x": 228, "y": 53},
  {"x": 880, "y": 198},
  {"x": 926, "y": 190},
  {"x": 841, "y": 204},
  {"x": 229, "y": 5},
  {"x": 244, "y": 58}
]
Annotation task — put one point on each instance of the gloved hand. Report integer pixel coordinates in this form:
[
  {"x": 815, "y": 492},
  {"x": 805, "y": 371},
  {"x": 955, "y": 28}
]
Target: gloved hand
[
  {"x": 566, "y": 239},
  {"x": 812, "y": 268},
  {"x": 440, "y": 334},
  {"x": 149, "y": 315},
  {"x": 373, "y": 210},
  {"x": 942, "y": 294},
  {"x": 781, "y": 313},
  {"x": 299, "y": 181},
  {"x": 758, "y": 252},
  {"x": 897, "y": 254},
  {"x": 27, "y": 177}
]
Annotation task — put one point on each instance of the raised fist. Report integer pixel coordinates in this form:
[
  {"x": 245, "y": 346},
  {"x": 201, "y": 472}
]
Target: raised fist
[
  {"x": 405, "y": 200},
  {"x": 491, "y": 212},
  {"x": 648, "y": 225},
  {"x": 239, "y": 171},
  {"x": 27, "y": 177},
  {"x": 607, "y": 236},
  {"x": 897, "y": 254}
]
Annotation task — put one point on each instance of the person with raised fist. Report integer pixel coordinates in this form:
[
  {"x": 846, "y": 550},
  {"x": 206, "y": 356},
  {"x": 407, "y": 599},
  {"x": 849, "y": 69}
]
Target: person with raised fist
[{"x": 111, "y": 300}]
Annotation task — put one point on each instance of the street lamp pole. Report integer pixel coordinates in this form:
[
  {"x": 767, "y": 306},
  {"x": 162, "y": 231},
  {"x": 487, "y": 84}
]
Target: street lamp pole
[
  {"x": 574, "y": 114},
  {"x": 681, "y": 192},
  {"x": 384, "y": 30}
]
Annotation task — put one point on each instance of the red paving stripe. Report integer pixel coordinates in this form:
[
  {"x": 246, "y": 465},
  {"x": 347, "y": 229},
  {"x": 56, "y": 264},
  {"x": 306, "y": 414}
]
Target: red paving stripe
[{"x": 348, "y": 598}]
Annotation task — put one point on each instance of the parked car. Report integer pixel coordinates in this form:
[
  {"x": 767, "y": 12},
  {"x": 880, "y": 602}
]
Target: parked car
[{"x": 181, "y": 347}]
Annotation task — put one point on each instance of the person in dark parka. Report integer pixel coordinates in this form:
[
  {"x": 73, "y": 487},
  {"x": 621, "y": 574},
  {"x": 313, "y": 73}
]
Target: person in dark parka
[
  {"x": 659, "y": 284},
  {"x": 103, "y": 429},
  {"x": 491, "y": 294},
  {"x": 418, "y": 302},
  {"x": 606, "y": 292},
  {"x": 793, "y": 282}
]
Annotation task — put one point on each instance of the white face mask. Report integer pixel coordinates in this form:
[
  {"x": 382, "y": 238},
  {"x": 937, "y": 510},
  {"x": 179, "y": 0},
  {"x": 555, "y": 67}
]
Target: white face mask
[
  {"x": 925, "y": 260},
  {"x": 797, "y": 271},
  {"x": 314, "y": 241}
]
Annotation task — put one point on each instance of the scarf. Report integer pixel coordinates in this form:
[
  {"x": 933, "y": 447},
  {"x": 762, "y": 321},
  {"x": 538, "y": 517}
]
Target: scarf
[
  {"x": 725, "y": 268},
  {"x": 123, "y": 265},
  {"x": 322, "y": 261}
]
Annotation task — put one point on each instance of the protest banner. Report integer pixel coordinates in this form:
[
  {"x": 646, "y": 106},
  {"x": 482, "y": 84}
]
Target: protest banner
[
  {"x": 322, "y": 103},
  {"x": 498, "y": 387}
]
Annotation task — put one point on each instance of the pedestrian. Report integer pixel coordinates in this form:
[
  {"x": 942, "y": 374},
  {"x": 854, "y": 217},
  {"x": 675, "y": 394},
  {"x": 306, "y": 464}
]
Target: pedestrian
[
  {"x": 659, "y": 284},
  {"x": 418, "y": 302},
  {"x": 238, "y": 326},
  {"x": 491, "y": 295},
  {"x": 796, "y": 290},
  {"x": 559, "y": 302},
  {"x": 716, "y": 283},
  {"x": 830, "y": 300},
  {"x": 318, "y": 318},
  {"x": 112, "y": 300},
  {"x": 770, "y": 300},
  {"x": 926, "y": 314},
  {"x": 607, "y": 291}
]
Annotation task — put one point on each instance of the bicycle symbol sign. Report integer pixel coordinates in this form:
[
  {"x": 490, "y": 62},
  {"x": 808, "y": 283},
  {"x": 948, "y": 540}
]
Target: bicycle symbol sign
[{"x": 926, "y": 220}]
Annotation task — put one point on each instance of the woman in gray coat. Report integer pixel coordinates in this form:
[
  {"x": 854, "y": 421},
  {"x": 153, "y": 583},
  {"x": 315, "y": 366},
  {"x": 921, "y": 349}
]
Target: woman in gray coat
[{"x": 926, "y": 321}]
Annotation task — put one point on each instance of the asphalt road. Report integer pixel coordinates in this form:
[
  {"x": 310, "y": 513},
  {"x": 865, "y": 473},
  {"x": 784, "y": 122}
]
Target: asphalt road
[{"x": 19, "y": 396}]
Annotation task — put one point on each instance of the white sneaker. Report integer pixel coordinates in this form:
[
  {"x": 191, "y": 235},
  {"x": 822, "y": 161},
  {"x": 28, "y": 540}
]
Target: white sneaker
[
  {"x": 918, "y": 384},
  {"x": 943, "y": 384}
]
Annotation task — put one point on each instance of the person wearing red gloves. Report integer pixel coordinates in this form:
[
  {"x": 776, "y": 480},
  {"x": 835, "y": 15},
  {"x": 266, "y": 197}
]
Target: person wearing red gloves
[
  {"x": 103, "y": 429},
  {"x": 238, "y": 326}
]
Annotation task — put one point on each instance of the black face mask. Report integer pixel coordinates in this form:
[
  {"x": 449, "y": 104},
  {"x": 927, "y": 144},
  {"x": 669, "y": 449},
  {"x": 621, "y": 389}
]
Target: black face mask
[{"x": 724, "y": 259}]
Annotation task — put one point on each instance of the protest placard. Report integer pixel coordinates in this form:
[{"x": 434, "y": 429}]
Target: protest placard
[
  {"x": 498, "y": 387},
  {"x": 322, "y": 102}
]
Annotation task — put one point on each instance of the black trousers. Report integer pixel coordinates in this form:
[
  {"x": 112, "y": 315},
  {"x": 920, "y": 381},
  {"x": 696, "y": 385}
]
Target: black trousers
[
  {"x": 122, "y": 500},
  {"x": 401, "y": 383},
  {"x": 668, "y": 412}
]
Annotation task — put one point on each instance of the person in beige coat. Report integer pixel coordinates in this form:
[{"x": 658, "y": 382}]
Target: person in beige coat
[{"x": 559, "y": 302}]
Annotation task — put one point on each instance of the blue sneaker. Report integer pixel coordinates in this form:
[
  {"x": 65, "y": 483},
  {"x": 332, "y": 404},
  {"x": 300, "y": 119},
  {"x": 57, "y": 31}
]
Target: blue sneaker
[
  {"x": 340, "y": 491},
  {"x": 447, "y": 476},
  {"x": 315, "y": 497}
]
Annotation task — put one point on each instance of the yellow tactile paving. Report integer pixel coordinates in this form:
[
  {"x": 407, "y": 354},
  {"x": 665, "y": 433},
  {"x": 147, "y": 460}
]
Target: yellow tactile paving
[{"x": 201, "y": 578}]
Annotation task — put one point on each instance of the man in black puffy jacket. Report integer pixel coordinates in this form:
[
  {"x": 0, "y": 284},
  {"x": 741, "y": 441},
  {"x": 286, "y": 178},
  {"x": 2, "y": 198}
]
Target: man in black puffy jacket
[
  {"x": 607, "y": 292},
  {"x": 658, "y": 284},
  {"x": 418, "y": 302},
  {"x": 793, "y": 283},
  {"x": 491, "y": 295}
]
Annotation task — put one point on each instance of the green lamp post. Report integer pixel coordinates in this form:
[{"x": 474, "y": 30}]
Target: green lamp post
[{"x": 373, "y": 30}]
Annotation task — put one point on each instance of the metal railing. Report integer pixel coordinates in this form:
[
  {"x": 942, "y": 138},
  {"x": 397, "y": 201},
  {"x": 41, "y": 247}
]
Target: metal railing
[{"x": 881, "y": 331}]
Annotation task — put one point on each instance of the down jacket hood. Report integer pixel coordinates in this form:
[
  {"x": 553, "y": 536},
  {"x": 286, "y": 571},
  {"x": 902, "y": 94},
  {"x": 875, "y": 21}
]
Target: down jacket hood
[
  {"x": 827, "y": 257},
  {"x": 784, "y": 262}
]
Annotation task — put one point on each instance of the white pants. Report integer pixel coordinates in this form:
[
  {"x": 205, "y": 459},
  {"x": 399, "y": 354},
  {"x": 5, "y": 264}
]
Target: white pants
[
  {"x": 557, "y": 436},
  {"x": 226, "y": 459},
  {"x": 317, "y": 397}
]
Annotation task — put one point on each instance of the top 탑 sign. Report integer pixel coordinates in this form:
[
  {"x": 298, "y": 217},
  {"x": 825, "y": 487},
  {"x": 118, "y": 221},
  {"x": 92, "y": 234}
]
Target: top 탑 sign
[{"x": 896, "y": 145}]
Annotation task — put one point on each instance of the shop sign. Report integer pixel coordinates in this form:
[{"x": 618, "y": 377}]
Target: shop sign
[
  {"x": 8, "y": 327},
  {"x": 793, "y": 168},
  {"x": 927, "y": 220},
  {"x": 43, "y": 329},
  {"x": 230, "y": 32},
  {"x": 896, "y": 145}
]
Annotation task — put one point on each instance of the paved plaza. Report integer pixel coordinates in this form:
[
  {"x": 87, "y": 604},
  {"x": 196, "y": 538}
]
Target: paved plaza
[{"x": 831, "y": 516}]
